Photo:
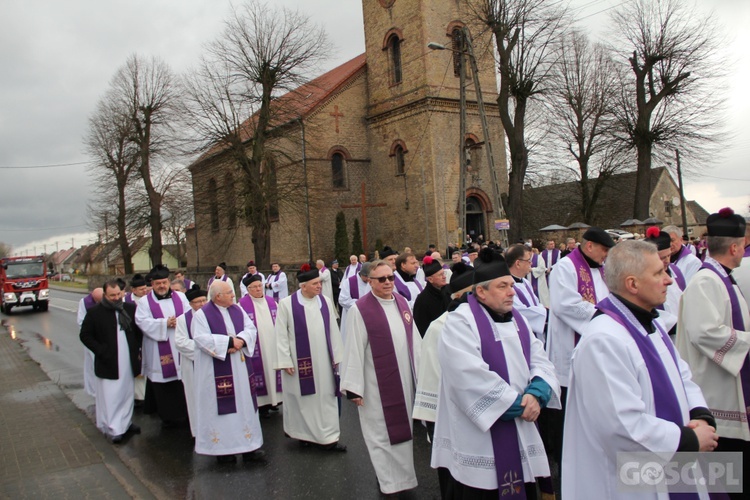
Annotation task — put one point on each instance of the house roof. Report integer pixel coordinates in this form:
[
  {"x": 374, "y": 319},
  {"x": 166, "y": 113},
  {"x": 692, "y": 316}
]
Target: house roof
[
  {"x": 299, "y": 103},
  {"x": 700, "y": 213},
  {"x": 560, "y": 203}
]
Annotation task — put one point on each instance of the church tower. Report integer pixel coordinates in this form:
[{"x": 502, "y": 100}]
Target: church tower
[{"x": 413, "y": 117}]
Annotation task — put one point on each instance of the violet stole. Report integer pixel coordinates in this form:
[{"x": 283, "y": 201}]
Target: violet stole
[
  {"x": 585, "y": 280},
  {"x": 403, "y": 289},
  {"x": 88, "y": 302},
  {"x": 552, "y": 262},
  {"x": 189, "y": 322},
  {"x": 534, "y": 279},
  {"x": 302, "y": 342},
  {"x": 188, "y": 284},
  {"x": 259, "y": 374},
  {"x": 504, "y": 434},
  {"x": 223, "y": 377},
  {"x": 678, "y": 276},
  {"x": 213, "y": 278},
  {"x": 354, "y": 287},
  {"x": 166, "y": 358},
  {"x": 747, "y": 251},
  {"x": 738, "y": 323},
  {"x": 397, "y": 418},
  {"x": 276, "y": 280},
  {"x": 129, "y": 298}
]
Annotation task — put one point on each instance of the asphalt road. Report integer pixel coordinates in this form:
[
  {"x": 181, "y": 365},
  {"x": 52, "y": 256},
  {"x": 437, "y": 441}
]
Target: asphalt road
[{"x": 164, "y": 458}]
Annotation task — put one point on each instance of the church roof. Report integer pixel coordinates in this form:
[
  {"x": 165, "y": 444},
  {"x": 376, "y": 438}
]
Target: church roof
[
  {"x": 300, "y": 102},
  {"x": 700, "y": 213}
]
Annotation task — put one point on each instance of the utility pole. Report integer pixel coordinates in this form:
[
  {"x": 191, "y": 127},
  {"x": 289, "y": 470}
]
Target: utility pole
[
  {"x": 462, "y": 144},
  {"x": 683, "y": 207}
]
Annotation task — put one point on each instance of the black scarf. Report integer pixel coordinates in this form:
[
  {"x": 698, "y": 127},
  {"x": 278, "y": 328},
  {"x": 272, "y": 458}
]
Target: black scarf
[{"x": 126, "y": 322}]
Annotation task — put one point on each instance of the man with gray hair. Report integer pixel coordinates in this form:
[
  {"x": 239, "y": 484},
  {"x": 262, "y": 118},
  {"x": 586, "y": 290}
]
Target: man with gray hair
[
  {"x": 629, "y": 389},
  {"x": 713, "y": 333},
  {"x": 682, "y": 257}
]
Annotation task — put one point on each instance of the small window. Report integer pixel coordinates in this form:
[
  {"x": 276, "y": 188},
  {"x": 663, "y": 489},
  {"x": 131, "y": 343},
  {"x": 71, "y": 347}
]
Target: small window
[
  {"x": 213, "y": 192},
  {"x": 394, "y": 49},
  {"x": 231, "y": 201},
  {"x": 400, "y": 162},
  {"x": 456, "y": 39},
  {"x": 337, "y": 171},
  {"x": 668, "y": 208}
]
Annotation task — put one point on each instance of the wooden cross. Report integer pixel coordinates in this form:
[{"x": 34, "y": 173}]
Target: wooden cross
[
  {"x": 364, "y": 206},
  {"x": 336, "y": 114}
]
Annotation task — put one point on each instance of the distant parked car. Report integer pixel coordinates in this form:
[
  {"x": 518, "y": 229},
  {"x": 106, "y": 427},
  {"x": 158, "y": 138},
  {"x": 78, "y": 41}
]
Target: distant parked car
[
  {"x": 61, "y": 277},
  {"x": 620, "y": 234}
]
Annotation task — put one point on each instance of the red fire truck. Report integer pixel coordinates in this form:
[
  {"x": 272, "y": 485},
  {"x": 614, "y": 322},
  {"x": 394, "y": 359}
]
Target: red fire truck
[{"x": 24, "y": 283}]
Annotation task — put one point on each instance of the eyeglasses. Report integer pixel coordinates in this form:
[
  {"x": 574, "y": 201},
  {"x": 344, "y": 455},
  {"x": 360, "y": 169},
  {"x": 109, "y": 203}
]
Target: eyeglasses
[
  {"x": 383, "y": 279},
  {"x": 525, "y": 260}
]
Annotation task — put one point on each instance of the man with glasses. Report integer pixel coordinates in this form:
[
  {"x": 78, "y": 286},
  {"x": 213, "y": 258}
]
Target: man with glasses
[
  {"x": 518, "y": 257},
  {"x": 380, "y": 364},
  {"x": 227, "y": 416},
  {"x": 309, "y": 350}
]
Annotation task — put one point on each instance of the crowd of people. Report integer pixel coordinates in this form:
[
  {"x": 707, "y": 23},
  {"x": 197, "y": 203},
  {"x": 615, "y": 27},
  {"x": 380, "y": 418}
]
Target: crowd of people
[{"x": 517, "y": 362}]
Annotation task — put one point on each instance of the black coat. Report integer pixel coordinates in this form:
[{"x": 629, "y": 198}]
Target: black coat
[
  {"x": 428, "y": 307},
  {"x": 99, "y": 335}
]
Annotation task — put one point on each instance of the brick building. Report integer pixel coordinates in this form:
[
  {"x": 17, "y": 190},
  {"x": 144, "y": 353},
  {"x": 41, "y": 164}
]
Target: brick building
[{"x": 387, "y": 119}]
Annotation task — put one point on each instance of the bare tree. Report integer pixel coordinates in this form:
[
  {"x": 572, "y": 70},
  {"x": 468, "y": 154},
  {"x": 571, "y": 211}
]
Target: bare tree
[
  {"x": 115, "y": 161},
  {"x": 144, "y": 88},
  {"x": 262, "y": 52},
  {"x": 669, "y": 95},
  {"x": 178, "y": 210},
  {"x": 582, "y": 116},
  {"x": 525, "y": 33}
]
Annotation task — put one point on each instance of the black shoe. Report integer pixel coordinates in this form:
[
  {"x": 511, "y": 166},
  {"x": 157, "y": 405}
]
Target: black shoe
[
  {"x": 275, "y": 409},
  {"x": 226, "y": 459},
  {"x": 341, "y": 448},
  {"x": 254, "y": 456},
  {"x": 117, "y": 439},
  {"x": 134, "y": 429}
]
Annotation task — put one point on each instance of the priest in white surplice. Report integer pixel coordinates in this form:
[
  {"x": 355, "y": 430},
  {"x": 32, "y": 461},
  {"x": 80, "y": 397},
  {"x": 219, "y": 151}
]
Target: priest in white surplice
[
  {"x": 406, "y": 283},
  {"x": 220, "y": 273},
  {"x": 227, "y": 417},
  {"x": 668, "y": 311},
  {"x": 252, "y": 270},
  {"x": 378, "y": 375},
  {"x": 518, "y": 258},
  {"x": 157, "y": 318},
  {"x": 309, "y": 350},
  {"x": 352, "y": 289},
  {"x": 682, "y": 257},
  {"x": 84, "y": 305},
  {"x": 183, "y": 339},
  {"x": 629, "y": 389},
  {"x": 325, "y": 280},
  {"x": 276, "y": 283},
  {"x": 495, "y": 379},
  {"x": 576, "y": 284},
  {"x": 262, "y": 312},
  {"x": 353, "y": 268},
  {"x": 713, "y": 333}
]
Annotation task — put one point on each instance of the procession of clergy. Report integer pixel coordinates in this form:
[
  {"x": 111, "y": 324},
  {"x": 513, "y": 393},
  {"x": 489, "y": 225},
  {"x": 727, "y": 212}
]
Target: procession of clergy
[{"x": 505, "y": 358}]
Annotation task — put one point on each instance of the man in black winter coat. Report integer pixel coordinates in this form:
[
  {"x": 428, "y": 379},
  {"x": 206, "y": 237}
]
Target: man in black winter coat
[
  {"x": 432, "y": 301},
  {"x": 110, "y": 332}
]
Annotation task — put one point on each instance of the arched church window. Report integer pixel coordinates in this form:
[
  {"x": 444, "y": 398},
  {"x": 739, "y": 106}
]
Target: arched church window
[
  {"x": 394, "y": 50},
  {"x": 213, "y": 208},
  {"x": 456, "y": 41},
  {"x": 337, "y": 170},
  {"x": 231, "y": 200},
  {"x": 400, "y": 161}
]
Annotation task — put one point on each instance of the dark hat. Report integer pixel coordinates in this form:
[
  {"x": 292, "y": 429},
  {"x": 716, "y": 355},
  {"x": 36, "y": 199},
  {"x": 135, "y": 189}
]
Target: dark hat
[
  {"x": 462, "y": 277},
  {"x": 222, "y": 265},
  {"x": 726, "y": 223},
  {"x": 122, "y": 283},
  {"x": 306, "y": 274},
  {"x": 489, "y": 265},
  {"x": 195, "y": 292},
  {"x": 149, "y": 278},
  {"x": 249, "y": 263},
  {"x": 472, "y": 250},
  {"x": 137, "y": 280},
  {"x": 387, "y": 252},
  {"x": 659, "y": 237},
  {"x": 159, "y": 272},
  {"x": 598, "y": 235},
  {"x": 430, "y": 266},
  {"x": 334, "y": 261},
  {"x": 251, "y": 279}
]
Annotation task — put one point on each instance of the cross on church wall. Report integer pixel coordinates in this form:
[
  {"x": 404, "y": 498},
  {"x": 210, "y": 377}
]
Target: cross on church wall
[
  {"x": 364, "y": 206},
  {"x": 336, "y": 115}
]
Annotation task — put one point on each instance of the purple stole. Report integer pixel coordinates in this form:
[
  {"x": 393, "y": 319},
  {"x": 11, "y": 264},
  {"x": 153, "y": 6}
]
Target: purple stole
[
  {"x": 525, "y": 295},
  {"x": 738, "y": 323},
  {"x": 302, "y": 342},
  {"x": 747, "y": 251},
  {"x": 189, "y": 322},
  {"x": 223, "y": 377},
  {"x": 397, "y": 418},
  {"x": 403, "y": 289},
  {"x": 276, "y": 293},
  {"x": 188, "y": 284},
  {"x": 553, "y": 261},
  {"x": 586, "y": 287},
  {"x": 259, "y": 374},
  {"x": 503, "y": 433},
  {"x": 166, "y": 359},
  {"x": 354, "y": 287},
  {"x": 534, "y": 279},
  {"x": 213, "y": 278},
  {"x": 678, "y": 276},
  {"x": 684, "y": 251},
  {"x": 88, "y": 302},
  {"x": 129, "y": 298}
]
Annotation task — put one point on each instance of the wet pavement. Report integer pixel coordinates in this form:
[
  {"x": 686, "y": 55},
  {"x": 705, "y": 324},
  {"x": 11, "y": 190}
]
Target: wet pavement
[{"x": 161, "y": 461}]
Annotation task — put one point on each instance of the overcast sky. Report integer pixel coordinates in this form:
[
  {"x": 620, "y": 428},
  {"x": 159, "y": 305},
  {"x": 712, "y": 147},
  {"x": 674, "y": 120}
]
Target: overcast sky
[{"x": 57, "y": 57}]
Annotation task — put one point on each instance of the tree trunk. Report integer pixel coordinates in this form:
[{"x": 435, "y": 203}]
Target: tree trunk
[
  {"x": 122, "y": 235},
  {"x": 519, "y": 162},
  {"x": 262, "y": 246},
  {"x": 641, "y": 207}
]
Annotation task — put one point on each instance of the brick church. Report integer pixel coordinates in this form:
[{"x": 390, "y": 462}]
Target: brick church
[{"x": 383, "y": 129}]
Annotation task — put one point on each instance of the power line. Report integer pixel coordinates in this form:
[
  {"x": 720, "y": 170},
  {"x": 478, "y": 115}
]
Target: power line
[
  {"x": 52, "y": 165},
  {"x": 45, "y": 228}
]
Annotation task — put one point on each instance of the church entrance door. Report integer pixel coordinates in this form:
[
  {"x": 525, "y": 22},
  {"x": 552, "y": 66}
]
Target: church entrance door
[{"x": 474, "y": 218}]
